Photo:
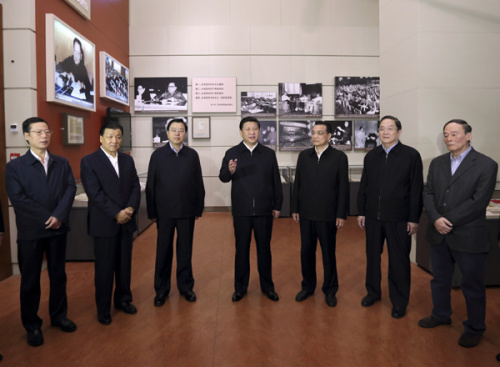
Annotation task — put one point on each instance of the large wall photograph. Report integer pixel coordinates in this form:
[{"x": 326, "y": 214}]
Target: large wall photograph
[
  {"x": 357, "y": 97},
  {"x": 154, "y": 95},
  {"x": 300, "y": 100}
]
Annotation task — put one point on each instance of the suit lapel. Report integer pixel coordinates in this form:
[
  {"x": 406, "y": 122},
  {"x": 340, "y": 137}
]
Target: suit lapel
[
  {"x": 466, "y": 164},
  {"x": 105, "y": 160}
]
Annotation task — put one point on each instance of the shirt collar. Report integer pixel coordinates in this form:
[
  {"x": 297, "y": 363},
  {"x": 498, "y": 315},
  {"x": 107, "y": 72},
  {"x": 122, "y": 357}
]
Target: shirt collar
[
  {"x": 390, "y": 148},
  {"x": 45, "y": 157},
  {"x": 109, "y": 155},
  {"x": 251, "y": 149},
  {"x": 173, "y": 149},
  {"x": 461, "y": 157}
]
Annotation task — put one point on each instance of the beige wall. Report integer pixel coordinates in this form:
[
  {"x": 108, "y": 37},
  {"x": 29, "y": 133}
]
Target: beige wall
[{"x": 261, "y": 43}]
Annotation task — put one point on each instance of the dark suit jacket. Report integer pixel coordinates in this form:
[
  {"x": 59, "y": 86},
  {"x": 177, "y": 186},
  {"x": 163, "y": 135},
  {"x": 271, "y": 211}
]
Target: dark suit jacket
[
  {"x": 36, "y": 196},
  {"x": 174, "y": 187},
  {"x": 108, "y": 194},
  {"x": 2, "y": 228},
  {"x": 256, "y": 185},
  {"x": 462, "y": 199},
  {"x": 391, "y": 187},
  {"x": 321, "y": 188}
]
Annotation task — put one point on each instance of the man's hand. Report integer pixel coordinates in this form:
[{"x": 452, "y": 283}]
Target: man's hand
[
  {"x": 232, "y": 165},
  {"x": 411, "y": 228},
  {"x": 123, "y": 216},
  {"x": 53, "y": 223},
  {"x": 340, "y": 222},
  {"x": 361, "y": 221},
  {"x": 296, "y": 217},
  {"x": 276, "y": 214},
  {"x": 443, "y": 225}
]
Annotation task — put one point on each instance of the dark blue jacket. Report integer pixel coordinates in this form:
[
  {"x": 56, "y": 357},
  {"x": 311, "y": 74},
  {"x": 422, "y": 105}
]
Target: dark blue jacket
[{"x": 36, "y": 196}]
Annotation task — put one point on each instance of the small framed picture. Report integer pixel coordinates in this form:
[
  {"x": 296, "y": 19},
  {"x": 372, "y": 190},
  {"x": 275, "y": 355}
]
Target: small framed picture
[
  {"x": 201, "y": 127},
  {"x": 73, "y": 130}
]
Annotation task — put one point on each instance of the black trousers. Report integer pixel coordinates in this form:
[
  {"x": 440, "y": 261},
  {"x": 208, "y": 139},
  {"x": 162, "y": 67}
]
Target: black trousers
[
  {"x": 398, "y": 248},
  {"x": 113, "y": 261},
  {"x": 30, "y": 257},
  {"x": 326, "y": 232},
  {"x": 262, "y": 228},
  {"x": 164, "y": 254},
  {"x": 473, "y": 268}
]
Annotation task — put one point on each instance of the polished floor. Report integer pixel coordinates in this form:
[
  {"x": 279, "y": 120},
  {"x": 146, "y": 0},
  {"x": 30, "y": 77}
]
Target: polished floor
[{"x": 255, "y": 331}]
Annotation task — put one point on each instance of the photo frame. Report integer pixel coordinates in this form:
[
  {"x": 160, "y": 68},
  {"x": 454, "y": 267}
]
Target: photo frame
[
  {"x": 258, "y": 104},
  {"x": 70, "y": 65},
  {"x": 357, "y": 97},
  {"x": 113, "y": 79},
  {"x": 81, "y": 6},
  {"x": 300, "y": 100},
  {"x": 268, "y": 134},
  {"x": 201, "y": 127},
  {"x": 295, "y": 135},
  {"x": 165, "y": 95},
  {"x": 342, "y": 135},
  {"x": 365, "y": 135},
  {"x": 73, "y": 127}
]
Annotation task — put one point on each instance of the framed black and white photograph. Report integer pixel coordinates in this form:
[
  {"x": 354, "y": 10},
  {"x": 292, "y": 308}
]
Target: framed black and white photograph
[
  {"x": 160, "y": 124},
  {"x": 268, "y": 134},
  {"x": 114, "y": 79},
  {"x": 300, "y": 100},
  {"x": 295, "y": 135},
  {"x": 342, "y": 135},
  {"x": 70, "y": 65},
  {"x": 73, "y": 129},
  {"x": 201, "y": 127},
  {"x": 258, "y": 104},
  {"x": 357, "y": 97},
  {"x": 365, "y": 135},
  {"x": 153, "y": 95}
]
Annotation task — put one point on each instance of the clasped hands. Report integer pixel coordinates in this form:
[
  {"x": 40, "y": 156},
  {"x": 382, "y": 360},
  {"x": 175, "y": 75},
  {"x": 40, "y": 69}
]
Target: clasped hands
[{"x": 124, "y": 215}]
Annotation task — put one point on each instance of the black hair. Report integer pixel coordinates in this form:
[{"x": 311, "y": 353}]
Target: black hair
[
  {"x": 178, "y": 120},
  {"x": 32, "y": 120},
  {"x": 110, "y": 124},
  {"x": 329, "y": 128},
  {"x": 249, "y": 119},
  {"x": 395, "y": 119},
  {"x": 465, "y": 125},
  {"x": 76, "y": 40}
]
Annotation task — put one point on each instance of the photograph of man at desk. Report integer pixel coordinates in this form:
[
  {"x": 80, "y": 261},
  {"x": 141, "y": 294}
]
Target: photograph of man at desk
[{"x": 160, "y": 95}]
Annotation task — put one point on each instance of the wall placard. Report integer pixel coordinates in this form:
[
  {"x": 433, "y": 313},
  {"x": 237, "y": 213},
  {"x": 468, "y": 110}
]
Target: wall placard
[{"x": 214, "y": 95}]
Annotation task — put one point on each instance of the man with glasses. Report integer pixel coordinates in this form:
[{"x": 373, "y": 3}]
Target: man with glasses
[
  {"x": 319, "y": 204},
  {"x": 112, "y": 186},
  {"x": 256, "y": 197},
  {"x": 175, "y": 198},
  {"x": 41, "y": 189},
  {"x": 390, "y": 205}
]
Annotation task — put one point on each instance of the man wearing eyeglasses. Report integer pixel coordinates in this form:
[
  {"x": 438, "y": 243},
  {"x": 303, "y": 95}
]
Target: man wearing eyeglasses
[
  {"x": 112, "y": 186},
  {"x": 175, "y": 197},
  {"x": 320, "y": 202},
  {"x": 390, "y": 205},
  {"x": 41, "y": 189}
]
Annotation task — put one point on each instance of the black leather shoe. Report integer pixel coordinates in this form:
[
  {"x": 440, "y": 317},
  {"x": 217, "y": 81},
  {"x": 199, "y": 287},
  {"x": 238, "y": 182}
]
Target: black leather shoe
[
  {"x": 398, "y": 312},
  {"x": 368, "y": 301},
  {"x": 65, "y": 325},
  {"x": 331, "y": 300},
  {"x": 430, "y": 322},
  {"x": 105, "y": 320},
  {"x": 469, "y": 340},
  {"x": 237, "y": 296},
  {"x": 159, "y": 300},
  {"x": 127, "y": 307},
  {"x": 272, "y": 295},
  {"x": 190, "y": 296},
  {"x": 302, "y": 295},
  {"x": 35, "y": 337}
]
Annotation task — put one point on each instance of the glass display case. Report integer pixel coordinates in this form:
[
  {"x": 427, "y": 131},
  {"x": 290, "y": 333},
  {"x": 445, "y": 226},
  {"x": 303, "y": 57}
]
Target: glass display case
[{"x": 286, "y": 184}]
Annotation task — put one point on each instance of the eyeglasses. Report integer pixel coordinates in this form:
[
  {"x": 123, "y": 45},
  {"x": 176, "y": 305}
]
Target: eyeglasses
[
  {"x": 389, "y": 129},
  {"x": 40, "y": 132},
  {"x": 180, "y": 131}
]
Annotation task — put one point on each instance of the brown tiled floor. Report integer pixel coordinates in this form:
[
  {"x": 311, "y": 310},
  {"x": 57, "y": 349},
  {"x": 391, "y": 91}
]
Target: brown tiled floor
[{"x": 255, "y": 331}]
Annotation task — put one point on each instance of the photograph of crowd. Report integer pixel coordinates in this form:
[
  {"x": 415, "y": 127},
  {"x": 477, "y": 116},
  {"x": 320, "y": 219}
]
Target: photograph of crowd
[
  {"x": 299, "y": 100},
  {"x": 295, "y": 135},
  {"x": 268, "y": 134},
  {"x": 116, "y": 79},
  {"x": 160, "y": 133},
  {"x": 365, "y": 135},
  {"x": 259, "y": 104},
  {"x": 161, "y": 94},
  {"x": 342, "y": 135},
  {"x": 357, "y": 96}
]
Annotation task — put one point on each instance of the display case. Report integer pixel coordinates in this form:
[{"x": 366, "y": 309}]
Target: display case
[
  {"x": 354, "y": 180},
  {"x": 286, "y": 184}
]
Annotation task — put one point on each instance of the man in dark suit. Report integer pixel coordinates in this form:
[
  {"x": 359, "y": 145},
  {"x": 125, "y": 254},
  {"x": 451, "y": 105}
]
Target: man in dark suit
[
  {"x": 256, "y": 198},
  {"x": 41, "y": 189},
  {"x": 389, "y": 206},
  {"x": 2, "y": 228},
  {"x": 319, "y": 204},
  {"x": 459, "y": 188},
  {"x": 175, "y": 197},
  {"x": 112, "y": 186}
]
